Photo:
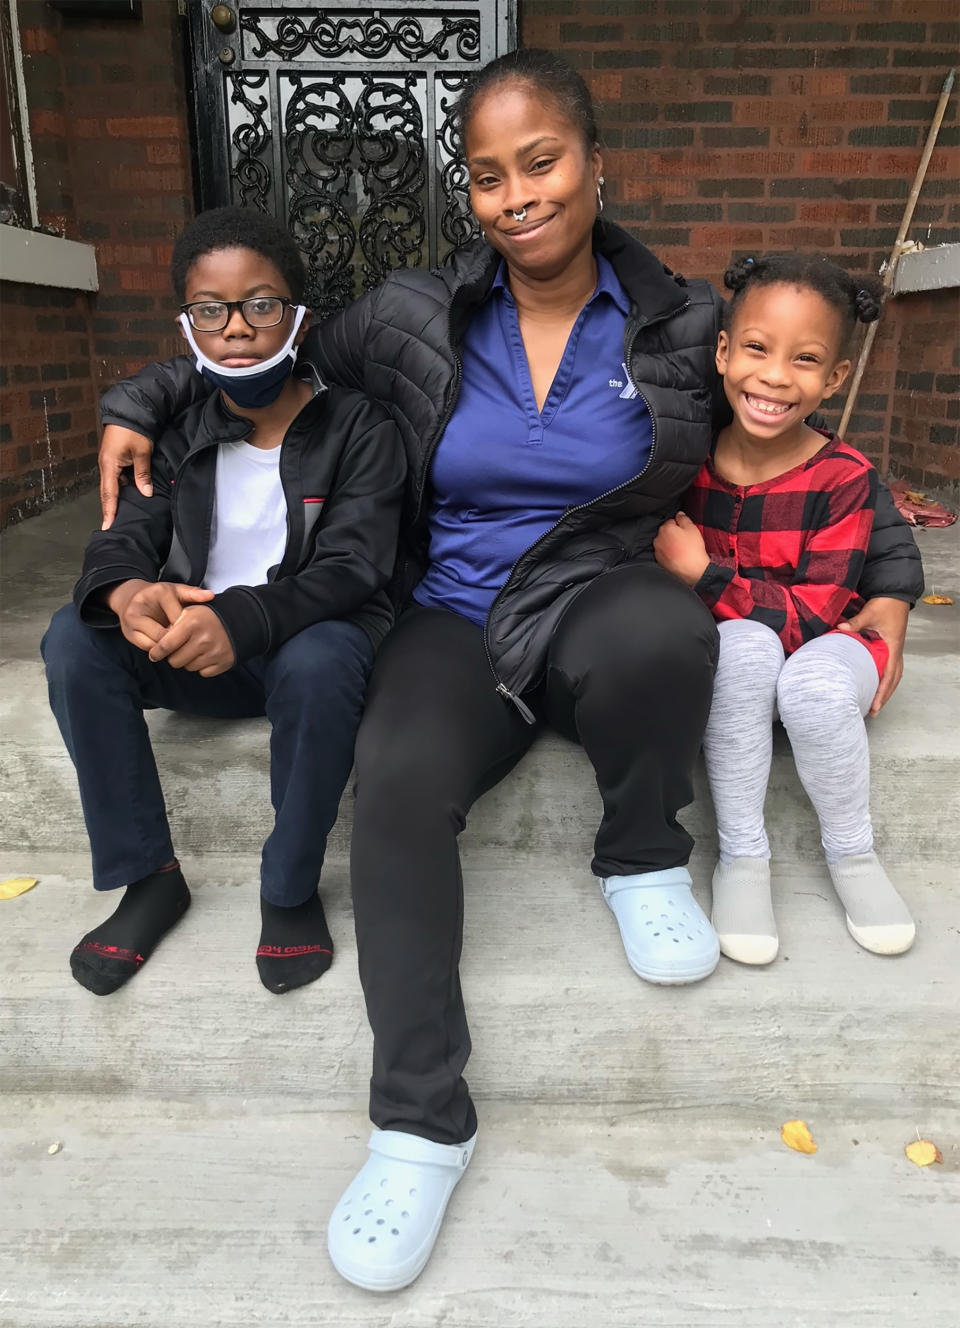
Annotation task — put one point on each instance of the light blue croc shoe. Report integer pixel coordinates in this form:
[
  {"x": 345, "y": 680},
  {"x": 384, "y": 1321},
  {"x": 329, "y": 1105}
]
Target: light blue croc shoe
[
  {"x": 383, "y": 1230},
  {"x": 666, "y": 934}
]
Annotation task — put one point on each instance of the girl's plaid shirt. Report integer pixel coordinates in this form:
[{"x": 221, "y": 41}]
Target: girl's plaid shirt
[{"x": 789, "y": 552}]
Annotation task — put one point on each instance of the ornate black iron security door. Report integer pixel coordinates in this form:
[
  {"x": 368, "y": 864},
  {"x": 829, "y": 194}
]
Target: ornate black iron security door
[{"x": 336, "y": 117}]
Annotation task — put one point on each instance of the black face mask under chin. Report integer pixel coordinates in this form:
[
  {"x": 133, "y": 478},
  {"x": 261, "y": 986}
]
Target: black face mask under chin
[
  {"x": 260, "y": 389},
  {"x": 258, "y": 385}
]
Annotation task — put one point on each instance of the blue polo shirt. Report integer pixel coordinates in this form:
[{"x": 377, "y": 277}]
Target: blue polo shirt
[{"x": 504, "y": 472}]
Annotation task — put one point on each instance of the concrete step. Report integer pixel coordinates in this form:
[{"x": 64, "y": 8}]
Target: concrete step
[
  {"x": 175, "y": 1214},
  {"x": 214, "y": 772},
  {"x": 556, "y": 1014},
  {"x": 214, "y": 775}
]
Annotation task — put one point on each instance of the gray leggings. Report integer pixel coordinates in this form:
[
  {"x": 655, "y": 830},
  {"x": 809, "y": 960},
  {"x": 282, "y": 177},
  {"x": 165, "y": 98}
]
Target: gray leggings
[{"x": 821, "y": 693}]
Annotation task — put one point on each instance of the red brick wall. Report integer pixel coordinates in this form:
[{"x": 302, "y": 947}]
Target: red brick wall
[
  {"x": 925, "y": 402},
  {"x": 108, "y": 124},
  {"x": 738, "y": 126}
]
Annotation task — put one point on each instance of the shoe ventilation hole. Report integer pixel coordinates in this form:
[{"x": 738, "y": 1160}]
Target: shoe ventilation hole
[
  {"x": 367, "y": 1212},
  {"x": 356, "y": 1231},
  {"x": 644, "y": 907},
  {"x": 371, "y": 1240},
  {"x": 388, "y": 1204},
  {"x": 383, "y": 1182},
  {"x": 379, "y": 1221},
  {"x": 365, "y": 1198},
  {"x": 649, "y": 922},
  {"x": 656, "y": 933},
  {"x": 413, "y": 1193},
  {"x": 670, "y": 902},
  {"x": 676, "y": 940},
  {"x": 347, "y": 1218},
  {"x": 669, "y": 929},
  {"x": 404, "y": 1213},
  {"x": 394, "y": 1231}
]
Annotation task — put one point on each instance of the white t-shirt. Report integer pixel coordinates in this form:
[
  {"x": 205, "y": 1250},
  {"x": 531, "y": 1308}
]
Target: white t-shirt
[{"x": 249, "y": 530}]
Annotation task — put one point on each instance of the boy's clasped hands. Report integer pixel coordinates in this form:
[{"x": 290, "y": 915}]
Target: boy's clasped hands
[{"x": 172, "y": 622}]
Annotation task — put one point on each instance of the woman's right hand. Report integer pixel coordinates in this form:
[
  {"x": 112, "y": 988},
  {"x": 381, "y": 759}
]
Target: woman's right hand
[{"x": 120, "y": 448}]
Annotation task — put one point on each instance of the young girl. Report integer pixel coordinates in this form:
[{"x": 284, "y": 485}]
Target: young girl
[{"x": 773, "y": 541}]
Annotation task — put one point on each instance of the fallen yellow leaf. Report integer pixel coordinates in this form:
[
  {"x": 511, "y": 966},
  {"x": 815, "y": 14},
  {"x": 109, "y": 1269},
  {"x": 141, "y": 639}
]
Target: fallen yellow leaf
[
  {"x": 937, "y": 599},
  {"x": 915, "y": 496},
  {"x": 795, "y": 1135},
  {"x": 16, "y": 885},
  {"x": 922, "y": 1152}
]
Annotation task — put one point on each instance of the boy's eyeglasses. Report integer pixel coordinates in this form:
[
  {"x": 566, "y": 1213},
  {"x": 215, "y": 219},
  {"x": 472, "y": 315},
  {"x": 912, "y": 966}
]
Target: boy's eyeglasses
[{"x": 214, "y": 315}]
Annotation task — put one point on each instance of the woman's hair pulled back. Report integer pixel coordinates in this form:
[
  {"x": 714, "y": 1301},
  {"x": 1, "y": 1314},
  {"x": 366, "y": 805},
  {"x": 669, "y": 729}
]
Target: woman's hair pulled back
[
  {"x": 548, "y": 73},
  {"x": 856, "y": 299}
]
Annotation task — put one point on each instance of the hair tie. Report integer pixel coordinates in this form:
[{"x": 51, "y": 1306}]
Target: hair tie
[{"x": 749, "y": 261}]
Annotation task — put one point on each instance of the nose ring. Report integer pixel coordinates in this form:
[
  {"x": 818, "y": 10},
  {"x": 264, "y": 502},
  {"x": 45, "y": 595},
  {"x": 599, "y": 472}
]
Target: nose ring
[{"x": 521, "y": 215}]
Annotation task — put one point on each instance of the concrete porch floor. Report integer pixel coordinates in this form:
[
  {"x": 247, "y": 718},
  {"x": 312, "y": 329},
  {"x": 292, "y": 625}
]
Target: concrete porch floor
[{"x": 629, "y": 1171}]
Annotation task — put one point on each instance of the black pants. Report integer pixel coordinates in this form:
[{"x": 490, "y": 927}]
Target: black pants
[
  {"x": 629, "y": 676},
  {"x": 311, "y": 688}
]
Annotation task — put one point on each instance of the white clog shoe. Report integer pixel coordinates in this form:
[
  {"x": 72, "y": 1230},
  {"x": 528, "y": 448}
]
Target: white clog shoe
[
  {"x": 383, "y": 1230},
  {"x": 666, "y": 934}
]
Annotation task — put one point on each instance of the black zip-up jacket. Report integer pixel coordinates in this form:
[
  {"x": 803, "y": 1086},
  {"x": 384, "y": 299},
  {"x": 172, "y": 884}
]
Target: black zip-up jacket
[
  {"x": 342, "y": 471},
  {"x": 400, "y": 343}
]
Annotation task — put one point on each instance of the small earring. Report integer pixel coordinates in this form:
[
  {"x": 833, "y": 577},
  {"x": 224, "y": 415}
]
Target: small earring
[
  {"x": 483, "y": 234},
  {"x": 599, "y": 195}
]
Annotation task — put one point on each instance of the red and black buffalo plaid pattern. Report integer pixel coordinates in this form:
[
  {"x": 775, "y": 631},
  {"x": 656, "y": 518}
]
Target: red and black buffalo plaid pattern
[{"x": 789, "y": 552}]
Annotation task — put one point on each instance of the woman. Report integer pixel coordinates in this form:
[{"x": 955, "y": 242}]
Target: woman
[{"x": 555, "y": 360}]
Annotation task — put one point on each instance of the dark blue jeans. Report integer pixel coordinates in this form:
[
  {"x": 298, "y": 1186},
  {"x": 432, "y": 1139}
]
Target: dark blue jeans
[{"x": 311, "y": 689}]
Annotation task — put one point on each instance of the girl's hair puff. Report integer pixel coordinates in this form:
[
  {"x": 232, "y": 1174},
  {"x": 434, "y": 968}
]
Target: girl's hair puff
[
  {"x": 856, "y": 299},
  {"x": 548, "y": 73}
]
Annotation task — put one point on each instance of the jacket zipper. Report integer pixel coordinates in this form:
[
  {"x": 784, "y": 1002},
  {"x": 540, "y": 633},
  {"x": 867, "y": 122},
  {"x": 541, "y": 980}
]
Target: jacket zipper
[{"x": 500, "y": 686}]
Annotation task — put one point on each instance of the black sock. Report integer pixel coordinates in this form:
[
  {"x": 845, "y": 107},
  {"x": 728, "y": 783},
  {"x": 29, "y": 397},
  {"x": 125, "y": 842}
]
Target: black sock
[
  {"x": 109, "y": 956},
  {"x": 295, "y": 946}
]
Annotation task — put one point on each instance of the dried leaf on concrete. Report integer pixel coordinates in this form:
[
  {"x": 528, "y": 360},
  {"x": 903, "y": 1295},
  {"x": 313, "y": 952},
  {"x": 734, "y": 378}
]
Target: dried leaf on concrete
[
  {"x": 937, "y": 599},
  {"x": 922, "y": 1152},
  {"x": 795, "y": 1135},
  {"x": 16, "y": 885},
  {"x": 917, "y": 509}
]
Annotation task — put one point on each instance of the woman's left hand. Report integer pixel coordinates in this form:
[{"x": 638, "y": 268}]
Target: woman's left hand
[
  {"x": 679, "y": 548},
  {"x": 888, "y": 618}
]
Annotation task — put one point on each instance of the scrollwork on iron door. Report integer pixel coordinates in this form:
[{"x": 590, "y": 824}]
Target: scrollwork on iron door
[
  {"x": 389, "y": 136},
  {"x": 319, "y": 148},
  {"x": 377, "y": 36},
  {"x": 457, "y": 222},
  {"x": 250, "y": 138}
]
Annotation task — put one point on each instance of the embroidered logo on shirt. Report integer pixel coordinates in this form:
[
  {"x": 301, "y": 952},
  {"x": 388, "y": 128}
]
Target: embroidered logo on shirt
[{"x": 629, "y": 391}]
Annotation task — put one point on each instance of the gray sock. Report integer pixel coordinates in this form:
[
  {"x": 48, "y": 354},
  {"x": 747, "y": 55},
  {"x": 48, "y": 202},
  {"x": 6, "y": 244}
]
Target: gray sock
[
  {"x": 743, "y": 910},
  {"x": 877, "y": 918}
]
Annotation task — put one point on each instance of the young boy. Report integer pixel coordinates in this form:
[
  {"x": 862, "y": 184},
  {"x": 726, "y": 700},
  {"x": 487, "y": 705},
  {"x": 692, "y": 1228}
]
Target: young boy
[{"x": 251, "y": 582}]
